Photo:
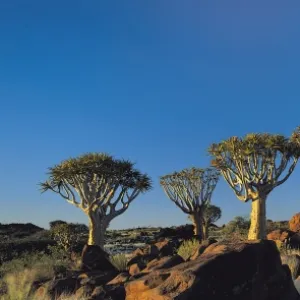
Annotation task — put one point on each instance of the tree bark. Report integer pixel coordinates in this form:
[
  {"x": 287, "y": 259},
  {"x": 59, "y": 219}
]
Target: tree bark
[
  {"x": 198, "y": 226},
  {"x": 97, "y": 228},
  {"x": 258, "y": 226},
  {"x": 205, "y": 230}
]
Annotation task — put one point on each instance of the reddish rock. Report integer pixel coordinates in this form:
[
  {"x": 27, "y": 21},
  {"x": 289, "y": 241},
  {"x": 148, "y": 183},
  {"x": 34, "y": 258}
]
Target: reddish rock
[
  {"x": 163, "y": 263},
  {"x": 294, "y": 223},
  {"x": 164, "y": 247},
  {"x": 137, "y": 252},
  {"x": 280, "y": 235},
  {"x": 95, "y": 258},
  {"x": 96, "y": 277},
  {"x": 135, "y": 269},
  {"x": 120, "y": 279},
  {"x": 151, "y": 250},
  {"x": 111, "y": 292},
  {"x": 201, "y": 248},
  {"x": 141, "y": 260},
  {"x": 240, "y": 271},
  {"x": 217, "y": 248}
]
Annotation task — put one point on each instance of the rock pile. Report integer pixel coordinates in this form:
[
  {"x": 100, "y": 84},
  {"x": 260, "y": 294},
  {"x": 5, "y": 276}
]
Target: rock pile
[{"x": 240, "y": 271}]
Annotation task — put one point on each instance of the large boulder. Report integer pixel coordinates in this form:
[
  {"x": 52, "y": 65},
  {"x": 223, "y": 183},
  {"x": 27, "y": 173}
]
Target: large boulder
[
  {"x": 241, "y": 271},
  {"x": 294, "y": 223},
  {"x": 93, "y": 258}
]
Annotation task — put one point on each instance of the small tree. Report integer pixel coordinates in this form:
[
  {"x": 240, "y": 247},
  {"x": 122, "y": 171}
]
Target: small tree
[
  {"x": 79, "y": 228},
  {"x": 253, "y": 166},
  {"x": 64, "y": 235},
  {"x": 191, "y": 190},
  {"x": 56, "y": 222},
  {"x": 105, "y": 187},
  {"x": 211, "y": 215},
  {"x": 239, "y": 224}
]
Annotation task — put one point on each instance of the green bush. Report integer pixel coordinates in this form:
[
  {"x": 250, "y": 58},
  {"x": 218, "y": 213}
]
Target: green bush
[
  {"x": 238, "y": 224},
  {"x": 52, "y": 224},
  {"x": 119, "y": 261},
  {"x": 187, "y": 248},
  {"x": 65, "y": 236}
]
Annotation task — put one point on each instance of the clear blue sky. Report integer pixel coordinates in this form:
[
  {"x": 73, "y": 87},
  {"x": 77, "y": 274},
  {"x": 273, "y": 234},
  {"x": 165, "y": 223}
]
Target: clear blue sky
[{"x": 152, "y": 81}]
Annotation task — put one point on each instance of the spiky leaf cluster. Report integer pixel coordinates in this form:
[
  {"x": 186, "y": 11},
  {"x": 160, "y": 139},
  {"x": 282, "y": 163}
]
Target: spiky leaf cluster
[
  {"x": 96, "y": 177},
  {"x": 96, "y": 167},
  {"x": 190, "y": 189},
  {"x": 256, "y": 162}
]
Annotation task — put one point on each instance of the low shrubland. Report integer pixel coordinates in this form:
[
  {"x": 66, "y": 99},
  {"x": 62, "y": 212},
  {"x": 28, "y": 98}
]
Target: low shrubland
[{"x": 19, "y": 275}]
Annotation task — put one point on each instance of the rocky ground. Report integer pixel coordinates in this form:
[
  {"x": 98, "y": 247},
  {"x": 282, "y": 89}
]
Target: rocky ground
[
  {"x": 217, "y": 270},
  {"x": 221, "y": 268},
  {"x": 18, "y": 238}
]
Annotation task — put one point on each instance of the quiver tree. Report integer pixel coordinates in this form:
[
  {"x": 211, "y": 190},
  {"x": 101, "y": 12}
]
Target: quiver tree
[
  {"x": 253, "y": 166},
  {"x": 191, "y": 190},
  {"x": 101, "y": 186}
]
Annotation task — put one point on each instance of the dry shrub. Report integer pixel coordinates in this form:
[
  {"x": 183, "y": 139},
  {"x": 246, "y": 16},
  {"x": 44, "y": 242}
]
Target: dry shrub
[
  {"x": 18, "y": 284},
  {"x": 188, "y": 248},
  {"x": 119, "y": 261},
  {"x": 293, "y": 261}
]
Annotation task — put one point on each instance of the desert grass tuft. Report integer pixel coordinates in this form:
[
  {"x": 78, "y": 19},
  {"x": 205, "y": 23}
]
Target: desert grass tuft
[{"x": 188, "y": 248}]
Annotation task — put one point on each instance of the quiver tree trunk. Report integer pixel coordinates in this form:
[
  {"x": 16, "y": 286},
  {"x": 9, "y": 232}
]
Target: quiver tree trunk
[
  {"x": 205, "y": 226},
  {"x": 97, "y": 228},
  {"x": 257, "y": 229},
  {"x": 198, "y": 225}
]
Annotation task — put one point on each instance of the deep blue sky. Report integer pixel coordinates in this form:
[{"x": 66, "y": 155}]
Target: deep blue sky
[{"x": 152, "y": 81}]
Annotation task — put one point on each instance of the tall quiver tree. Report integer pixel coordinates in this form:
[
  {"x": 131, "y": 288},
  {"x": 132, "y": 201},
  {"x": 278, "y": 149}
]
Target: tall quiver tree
[
  {"x": 253, "y": 166},
  {"x": 101, "y": 186},
  {"x": 191, "y": 190}
]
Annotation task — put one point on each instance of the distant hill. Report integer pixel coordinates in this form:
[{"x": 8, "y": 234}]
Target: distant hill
[{"x": 19, "y": 229}]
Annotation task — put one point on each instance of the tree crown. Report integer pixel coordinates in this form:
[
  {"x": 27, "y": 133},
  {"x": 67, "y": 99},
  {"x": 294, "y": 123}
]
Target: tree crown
[
  {"x": 259, "y": 144},
  {"x": 94, "y": 168},
  {"x": 190, "y": 188},
  {"x": 256, "y": 161},
  {"x": 212, "y": 214}
]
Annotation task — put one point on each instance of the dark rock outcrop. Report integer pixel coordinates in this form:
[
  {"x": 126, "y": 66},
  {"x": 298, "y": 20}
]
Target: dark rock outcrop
[
  {"x": 95, "y": 258},
  {"x": 241, "y": 271}
]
